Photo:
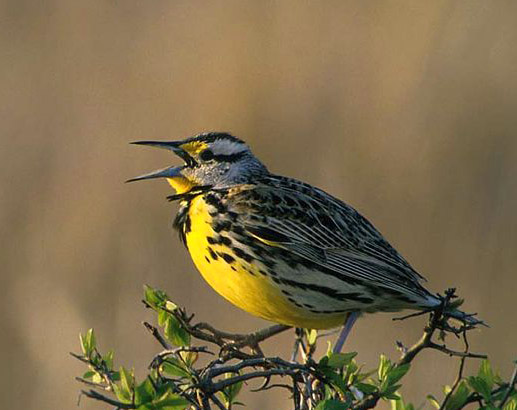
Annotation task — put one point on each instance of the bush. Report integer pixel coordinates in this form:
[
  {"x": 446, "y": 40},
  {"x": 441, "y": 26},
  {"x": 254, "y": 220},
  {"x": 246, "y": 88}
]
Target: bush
[{"x": 176, "y": 380}]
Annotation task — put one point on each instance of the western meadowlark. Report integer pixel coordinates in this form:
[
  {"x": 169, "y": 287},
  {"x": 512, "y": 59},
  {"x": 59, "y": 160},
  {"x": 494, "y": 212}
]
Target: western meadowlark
[{"x": 279, "y": 248}]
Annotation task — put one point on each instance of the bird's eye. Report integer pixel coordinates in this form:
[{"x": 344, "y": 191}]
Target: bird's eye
[{"x": 206, "y": 155}]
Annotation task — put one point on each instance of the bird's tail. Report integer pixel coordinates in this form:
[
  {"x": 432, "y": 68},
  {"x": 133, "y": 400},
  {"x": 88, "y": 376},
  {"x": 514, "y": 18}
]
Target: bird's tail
[
  {"x": 468, "y": 319},
  {"x": 450, "y": 304}
]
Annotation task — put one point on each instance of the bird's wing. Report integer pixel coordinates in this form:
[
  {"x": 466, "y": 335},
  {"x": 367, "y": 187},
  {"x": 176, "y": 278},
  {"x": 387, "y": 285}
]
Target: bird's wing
[{"x": 314, "y": 225}]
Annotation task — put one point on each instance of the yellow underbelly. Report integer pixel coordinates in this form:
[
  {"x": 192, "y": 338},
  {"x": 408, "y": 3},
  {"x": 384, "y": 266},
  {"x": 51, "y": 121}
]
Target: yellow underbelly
[{"x": 241, "y": 282}]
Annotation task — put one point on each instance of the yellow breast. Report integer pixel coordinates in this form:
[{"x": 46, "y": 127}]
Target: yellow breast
[{"x": 241, "y": 282}]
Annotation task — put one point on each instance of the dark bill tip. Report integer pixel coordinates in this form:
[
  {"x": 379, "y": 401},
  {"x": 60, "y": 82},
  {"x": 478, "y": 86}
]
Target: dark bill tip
[
  {"x": 169, "y": 172},
  {"x": 171, "y": 145}
]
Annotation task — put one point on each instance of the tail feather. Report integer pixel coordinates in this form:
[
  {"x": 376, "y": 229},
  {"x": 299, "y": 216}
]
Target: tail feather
[
  {"x": 468, "y": 319},
  {"x": 450, "y": 303}
]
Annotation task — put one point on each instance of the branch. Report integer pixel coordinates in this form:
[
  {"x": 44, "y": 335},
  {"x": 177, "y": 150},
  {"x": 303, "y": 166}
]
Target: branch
[
  {"x": 513, "y": 380},
  {"x": 156, "y": 334},
  {"x": 261, "y": 373},
  {"x": 437, "y": 321},
  {"x": 92, "y": 394},
  {"x": 460, "y": 373},
  {"x": 310, "y": 382},
  {"x": 232, "y": 341},
  {"x": 444, "y": 349}
]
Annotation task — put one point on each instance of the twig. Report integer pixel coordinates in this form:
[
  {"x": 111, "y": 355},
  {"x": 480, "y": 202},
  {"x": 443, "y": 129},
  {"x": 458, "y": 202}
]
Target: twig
[
  {"x": 421, "y": 313},
  {"x": 455, "y": 384},
  {"x": 272, "y": 386},
  {"x": 218, "y": 386},
  {"x": 298, "y": 339},
  {"x": 156, "y": 334},
  {"x": 437, "y": 321},
  {"x": 260, "y": 361},
  {"x": 93, "y": 384},
  {"x": 221, "y": 338},
  {"x": 92, "y": 394},
  {"x": 368, "y": 402},
  {"x": 513, "y": 380},
  {"x": 205, "y": 402},
  {"x": 160, "y": 357},
  {"x": 444, "y": 349},
  {"x": 296, "y": 395},
  {"x": 79, "y": 357},
  {"x": 218, "y": 402},
  {"x": 201, "y": 390}
]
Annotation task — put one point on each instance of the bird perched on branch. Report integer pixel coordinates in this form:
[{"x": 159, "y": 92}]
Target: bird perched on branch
[{"x": 279, "y": 248}]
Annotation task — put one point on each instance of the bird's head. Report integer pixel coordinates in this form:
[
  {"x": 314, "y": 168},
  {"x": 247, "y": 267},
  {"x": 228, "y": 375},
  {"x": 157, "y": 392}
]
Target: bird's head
[{"x": 213, "y": 159}]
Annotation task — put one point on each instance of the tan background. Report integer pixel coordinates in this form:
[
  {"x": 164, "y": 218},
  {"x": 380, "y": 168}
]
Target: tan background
[{"x": 405, "y": 110}]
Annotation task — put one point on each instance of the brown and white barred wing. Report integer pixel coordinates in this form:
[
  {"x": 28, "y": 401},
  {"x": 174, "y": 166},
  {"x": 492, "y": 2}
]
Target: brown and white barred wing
[{"x": 334, "y": 239}]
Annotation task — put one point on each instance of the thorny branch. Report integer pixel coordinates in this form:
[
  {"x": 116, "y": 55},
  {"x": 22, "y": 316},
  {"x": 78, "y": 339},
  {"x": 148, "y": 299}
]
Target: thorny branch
[
  {"x": 460, "y": 372},
  {"x": 306, "y": 378},
  {"x": 226, "y": 341}
]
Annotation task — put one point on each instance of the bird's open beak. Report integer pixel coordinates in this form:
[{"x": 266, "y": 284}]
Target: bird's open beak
[{"x": 170, "y": 172}]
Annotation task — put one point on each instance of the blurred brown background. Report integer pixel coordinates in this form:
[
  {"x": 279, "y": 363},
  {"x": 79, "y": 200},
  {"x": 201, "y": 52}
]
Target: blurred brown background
[{"x": 406, "y": 110}]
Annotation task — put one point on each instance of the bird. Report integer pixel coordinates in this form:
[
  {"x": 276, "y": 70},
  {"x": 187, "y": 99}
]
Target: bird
[{"x": 279, "y": 248}]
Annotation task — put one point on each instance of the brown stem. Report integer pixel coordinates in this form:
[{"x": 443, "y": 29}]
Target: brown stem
[
  {"x": 513, "y": 380},
  {"x": 92, "y": 394},
  {"x": 156, "y": 334},
  {"x": 455, "y": 384}
]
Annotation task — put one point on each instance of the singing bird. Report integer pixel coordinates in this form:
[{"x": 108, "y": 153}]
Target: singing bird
[{"x": 279, "y": 248}]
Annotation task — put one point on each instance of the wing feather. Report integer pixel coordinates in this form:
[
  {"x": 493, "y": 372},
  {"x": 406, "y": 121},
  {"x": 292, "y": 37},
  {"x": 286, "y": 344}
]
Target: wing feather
[{"x": 314, "y": 225}]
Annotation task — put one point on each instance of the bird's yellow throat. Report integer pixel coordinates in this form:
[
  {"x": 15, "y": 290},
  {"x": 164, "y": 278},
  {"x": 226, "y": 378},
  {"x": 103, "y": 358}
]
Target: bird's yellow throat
[{"x": 180, "y": 184}]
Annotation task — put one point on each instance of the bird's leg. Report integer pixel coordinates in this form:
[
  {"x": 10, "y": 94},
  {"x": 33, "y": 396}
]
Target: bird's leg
[
  {"x": 297, "y": 341},
  {"x": 349, "y": 323}
]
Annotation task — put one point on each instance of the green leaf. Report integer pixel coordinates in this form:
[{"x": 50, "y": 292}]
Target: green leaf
[
  {"x": 391, "y": 396},
  {"x": 175, "y": 368},
  {"x": 366, "y": 388},
  {"x": 512, "y": 404},
  {"x": 339, "y": 360},
  {"x": 332, "y": 405},
  {"x": 88, "y": 342},
  {"x": 384, "y": 367},
  {"x": 351, "y": 374},
  {"x": 189, "y": 357},
  {"x": 115, "y": 376},
  {"x": 122, "y": 395},
  {"x": 396, "y": 373},
  {"x": 163, "y": 315},
  {"x": 486, "y": 373},
  {"x": 170, "y": 401},
  {"x": 335, "y": 380},
  {"x": 108, "y": 359},
  {"x": 458, "y": 398},
  {"x": 390, "y": 391},
  {"x": 144, "y": 392},
  {"x": 489, "y": 407},
  {"x": 170, "y": 306},
  {"x": 433, "y": 401},
  {"x": 89, "y": 374},
  {"x": 231, "y": 392},
  {"x": 359, "y": 377},
  {"x": 399, "y": 404},
  {"x": 154, "y": 297},
  {"x": 127, "y": 381},
  {"x": 312, "y": 335},
  {"x": 90, "y": 337},
  {"x": 174, "y": 333},
  {"x": 481, "y": 386},
  {"x": 97, "y": 378}
]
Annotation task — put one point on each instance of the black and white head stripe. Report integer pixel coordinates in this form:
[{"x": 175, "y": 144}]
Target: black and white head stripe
[
  {"x": 223, "y": 148},
  {"x": 210, "y": 137}
]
